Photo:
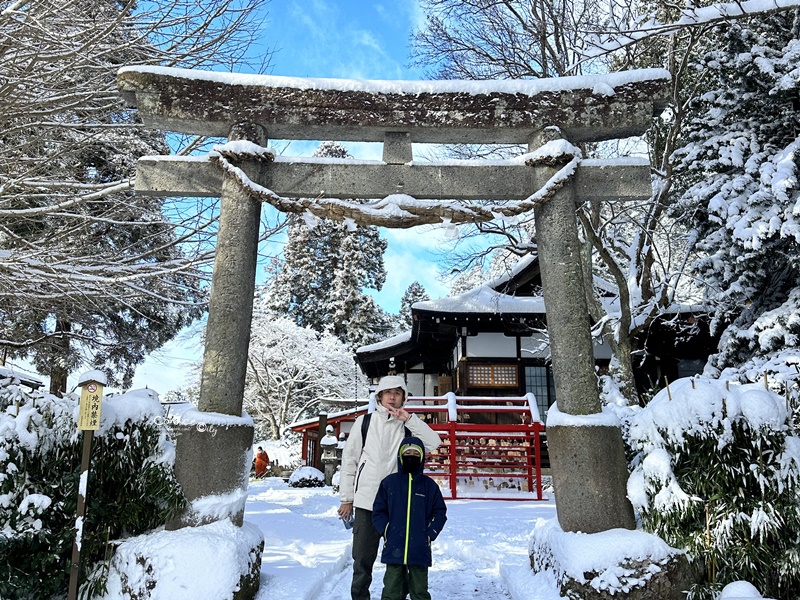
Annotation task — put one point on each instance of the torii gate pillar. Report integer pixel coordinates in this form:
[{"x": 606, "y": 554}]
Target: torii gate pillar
[
  {"x": 588, "y": 458},
  {"x": 215, "y": 460},
  {"x": 230, "y": 308}
]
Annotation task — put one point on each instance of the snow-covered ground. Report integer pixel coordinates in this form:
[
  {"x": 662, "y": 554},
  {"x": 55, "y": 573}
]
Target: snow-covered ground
[{"x": 482, "y": 552}]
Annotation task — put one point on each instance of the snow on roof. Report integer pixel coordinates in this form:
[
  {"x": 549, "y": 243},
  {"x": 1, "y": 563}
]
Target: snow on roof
[
  {"x": 395, "y": 340},
  {"x": 25, "y": 379},
  {"x": 336, "y": 415},
  {"x": 599, "y": 84},
  {"x": 484, "y": 300}
]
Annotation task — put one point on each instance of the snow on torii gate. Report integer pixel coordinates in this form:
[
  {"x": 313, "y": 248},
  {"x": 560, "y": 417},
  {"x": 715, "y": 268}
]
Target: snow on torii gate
[{"x": 586, "y": 452}]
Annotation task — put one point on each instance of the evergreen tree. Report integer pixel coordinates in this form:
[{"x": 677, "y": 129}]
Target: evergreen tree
[
  {"x": 467, "y": 280},
  {"x": 326, "y": 267},
  {"x": 414, "y": 293},
  {"x": 500, "y": 263},
  {"x": 715, "y": 470},
  {"x": 739, "y": 182}
]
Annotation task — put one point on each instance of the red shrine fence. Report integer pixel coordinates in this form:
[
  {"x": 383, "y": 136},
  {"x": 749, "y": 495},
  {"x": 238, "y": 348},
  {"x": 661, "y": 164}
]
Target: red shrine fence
[{"x": 501, "y": 460}]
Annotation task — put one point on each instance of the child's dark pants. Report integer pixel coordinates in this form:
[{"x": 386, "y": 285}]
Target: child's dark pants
[{"x": 397, "y": 575}]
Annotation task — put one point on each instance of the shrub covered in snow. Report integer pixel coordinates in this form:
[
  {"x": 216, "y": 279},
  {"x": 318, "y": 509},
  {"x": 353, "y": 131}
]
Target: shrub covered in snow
[
  {"x": 131, "y": 488},
  {"x": 307, "y": 477},
  {"x": 717, "y": 471}
]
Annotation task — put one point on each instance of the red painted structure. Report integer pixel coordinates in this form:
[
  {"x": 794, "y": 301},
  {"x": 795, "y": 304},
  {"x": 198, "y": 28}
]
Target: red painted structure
[{"x": 491, "y": 446}]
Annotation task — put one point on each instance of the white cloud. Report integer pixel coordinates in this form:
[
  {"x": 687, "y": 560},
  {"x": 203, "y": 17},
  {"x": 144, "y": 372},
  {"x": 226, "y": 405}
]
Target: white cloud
[
  {"x": 411, "y": 256},
  {"x": 430, "y": 238},
  {"x": 353, "y": 40}
]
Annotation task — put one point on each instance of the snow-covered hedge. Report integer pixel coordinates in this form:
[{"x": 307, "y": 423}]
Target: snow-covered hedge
[
  {"x": 307, "y": 477},
  {"x": 131, "y": 487},
  {"x": 716, "y": 470}
]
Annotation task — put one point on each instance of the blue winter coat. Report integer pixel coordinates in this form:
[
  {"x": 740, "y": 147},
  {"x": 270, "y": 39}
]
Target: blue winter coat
[{"x": 410, "y": 512}]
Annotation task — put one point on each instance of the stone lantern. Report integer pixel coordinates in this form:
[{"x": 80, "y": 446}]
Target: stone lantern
[
  {"x": 340, "y": 446},
  {"x": 328, "y": 445}
]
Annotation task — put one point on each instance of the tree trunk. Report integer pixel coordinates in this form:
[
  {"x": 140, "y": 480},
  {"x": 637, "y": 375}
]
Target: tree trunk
[{"x": 58, "y": 373}]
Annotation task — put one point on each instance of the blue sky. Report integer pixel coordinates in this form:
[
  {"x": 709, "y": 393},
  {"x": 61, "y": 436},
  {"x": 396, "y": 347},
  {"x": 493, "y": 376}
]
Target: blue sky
[
  {"x": 357, "y": 39},
  {"x": 351, "y": 39}
]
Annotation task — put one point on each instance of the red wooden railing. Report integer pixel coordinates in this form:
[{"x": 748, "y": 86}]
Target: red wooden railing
[{"x": 499, "y": 461}]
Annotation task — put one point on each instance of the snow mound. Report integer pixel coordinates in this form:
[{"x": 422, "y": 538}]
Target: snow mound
[
  {"x": 739, "y": 590},
  {"x": 603, "y": 560},
  {"x": 307, "y": 477},
  {"x": 203, "y": 563}
]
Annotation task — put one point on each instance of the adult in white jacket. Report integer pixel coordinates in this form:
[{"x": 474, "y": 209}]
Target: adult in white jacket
[{"x": 364, "y": 465}]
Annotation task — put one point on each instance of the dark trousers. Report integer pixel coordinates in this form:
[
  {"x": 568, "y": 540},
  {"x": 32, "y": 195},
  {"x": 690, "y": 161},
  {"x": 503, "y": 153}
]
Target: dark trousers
[
  {"x": 365, "y": 550},
  {"x": 401, "y": 577}
]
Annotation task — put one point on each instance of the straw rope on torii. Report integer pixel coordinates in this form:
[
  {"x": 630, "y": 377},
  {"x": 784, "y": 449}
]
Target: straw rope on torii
[
  {"x": 401, "y": 210},
  {"x": 547, "y": 116}
]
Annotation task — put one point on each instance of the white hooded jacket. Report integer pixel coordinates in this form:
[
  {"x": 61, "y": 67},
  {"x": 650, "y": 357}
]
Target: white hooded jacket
[{"x": 363, "y": 469}]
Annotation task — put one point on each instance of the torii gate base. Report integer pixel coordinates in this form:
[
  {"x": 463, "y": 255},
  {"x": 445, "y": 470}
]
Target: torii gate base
[{"x": 591, "y": 496}]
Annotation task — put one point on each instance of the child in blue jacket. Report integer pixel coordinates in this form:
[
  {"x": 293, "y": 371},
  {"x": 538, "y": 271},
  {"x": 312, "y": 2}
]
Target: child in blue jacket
[{"x": 410, "y": 513}]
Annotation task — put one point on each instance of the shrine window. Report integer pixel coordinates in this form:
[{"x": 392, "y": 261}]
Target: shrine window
[
  {"x": 483, "y": 375},
  {"x": 539, "y": 381}
]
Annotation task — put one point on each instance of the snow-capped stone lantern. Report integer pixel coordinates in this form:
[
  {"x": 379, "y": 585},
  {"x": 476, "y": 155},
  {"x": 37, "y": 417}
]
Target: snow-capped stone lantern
[
  {"x": 340, "y": 447},
  {"x": 328, "y": 444}
]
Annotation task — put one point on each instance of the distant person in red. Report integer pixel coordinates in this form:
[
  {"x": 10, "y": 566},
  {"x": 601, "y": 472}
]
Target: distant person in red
[{"x": 262, "y": 462}]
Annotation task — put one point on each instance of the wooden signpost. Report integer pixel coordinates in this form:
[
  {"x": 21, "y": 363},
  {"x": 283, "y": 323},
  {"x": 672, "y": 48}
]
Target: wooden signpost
[{"x": 88, "y": 421}]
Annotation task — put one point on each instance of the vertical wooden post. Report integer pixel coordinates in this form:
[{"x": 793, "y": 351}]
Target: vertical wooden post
[
  {"x": 230, "y": 307},
  {"x": 75, "y": 565},
  {"x": 537, "y": 453},
  {"x": 322, "y": 425},
  {"x": 451, "y": 426}
]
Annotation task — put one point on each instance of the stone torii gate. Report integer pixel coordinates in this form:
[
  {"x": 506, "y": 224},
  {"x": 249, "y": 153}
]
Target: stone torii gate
[{"x": 587, "y": 458}]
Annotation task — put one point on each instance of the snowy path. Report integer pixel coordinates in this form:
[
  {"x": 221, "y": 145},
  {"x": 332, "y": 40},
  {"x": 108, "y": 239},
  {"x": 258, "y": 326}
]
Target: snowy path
[{"x": 482, "y": 552}]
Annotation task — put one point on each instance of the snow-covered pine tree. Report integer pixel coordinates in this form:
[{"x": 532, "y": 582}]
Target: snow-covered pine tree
[
  {"x": 299, "y": 283},
  {"x": 498, "y": 263},
  {"x": 467, "y": 280},
  {"x": 327, "y": 265},
  {"x": 739, "y": 181},
  {"x": 414, "y": 293}
]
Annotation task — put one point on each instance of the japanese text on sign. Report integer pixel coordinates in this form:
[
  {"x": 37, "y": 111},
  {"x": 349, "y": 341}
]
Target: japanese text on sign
[{"x": 90, "y": 403}]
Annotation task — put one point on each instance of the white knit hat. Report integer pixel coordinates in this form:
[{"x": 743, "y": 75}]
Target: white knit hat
[{"x": 390, "y": 382}]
